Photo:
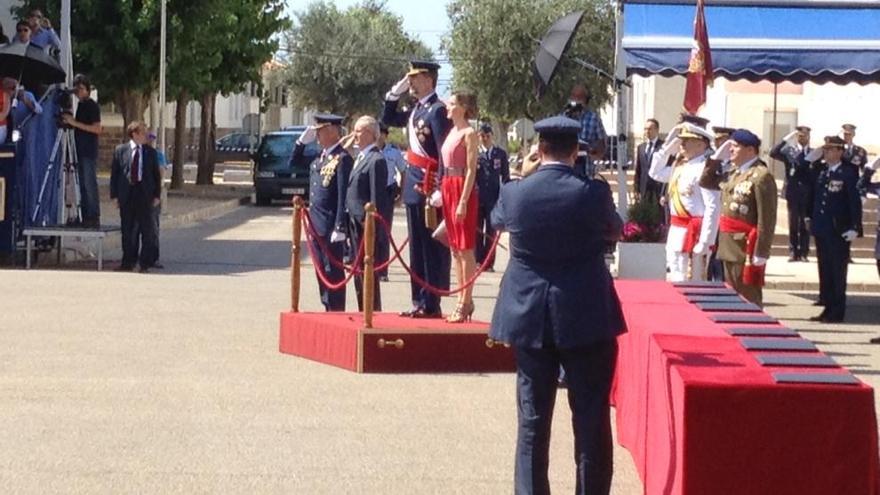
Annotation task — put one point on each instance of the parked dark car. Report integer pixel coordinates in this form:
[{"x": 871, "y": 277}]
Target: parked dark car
[
  {"x": 274, "y": 178},
  {"x": 235, "y": 147}
]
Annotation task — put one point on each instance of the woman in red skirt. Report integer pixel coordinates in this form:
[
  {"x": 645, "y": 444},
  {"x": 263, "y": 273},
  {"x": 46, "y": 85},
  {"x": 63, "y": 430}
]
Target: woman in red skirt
[{"x": 459, "y": 153}]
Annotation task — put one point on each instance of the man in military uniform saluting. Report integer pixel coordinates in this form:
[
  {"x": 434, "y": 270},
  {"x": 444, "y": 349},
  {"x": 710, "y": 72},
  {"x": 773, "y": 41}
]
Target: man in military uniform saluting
[
  {"x": 793, "y": 151},
  {"x": 426, "y": 127},
  {"x": 493, "y": 169},
  {"x": 328, "y": 180},
  {"x": 853, "y": 154},
  {"x": 693, "y": 209},
  {"x": 748, "y": 214},
  {"x": 835, "y": 216}
]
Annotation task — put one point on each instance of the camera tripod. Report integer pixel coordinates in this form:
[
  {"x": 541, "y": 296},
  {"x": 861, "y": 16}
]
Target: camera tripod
[{"x": 71, "y": 210}]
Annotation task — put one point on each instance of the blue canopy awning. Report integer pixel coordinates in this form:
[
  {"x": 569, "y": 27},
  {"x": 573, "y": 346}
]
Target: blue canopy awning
[{"x": 774, "y": 41}]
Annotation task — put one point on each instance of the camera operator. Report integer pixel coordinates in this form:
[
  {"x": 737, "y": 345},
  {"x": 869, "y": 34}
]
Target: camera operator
[
  {"x": 592, "y": 131},
  {"x": 86, "y": 128}
]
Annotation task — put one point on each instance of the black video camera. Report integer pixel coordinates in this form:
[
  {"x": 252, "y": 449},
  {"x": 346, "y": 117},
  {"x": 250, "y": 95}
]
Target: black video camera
[
  {"x": 573, "y": 110},
  {"x": 64, "y": 100}
]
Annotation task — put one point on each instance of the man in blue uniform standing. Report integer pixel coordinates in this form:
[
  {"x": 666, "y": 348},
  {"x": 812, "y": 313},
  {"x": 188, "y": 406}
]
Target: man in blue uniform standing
[
  {"x": 426, "y": 128},
  {"x": 557, "y": 306},
  {"x": 493, "y": 170},
  {"x": 836, "y": 213},
  {"x": 328, "y": 181},
  {"x": 793, "y": 151}
]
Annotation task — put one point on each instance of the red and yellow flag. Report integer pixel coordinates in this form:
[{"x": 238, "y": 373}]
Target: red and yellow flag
[{"x": 700, "y": 71}]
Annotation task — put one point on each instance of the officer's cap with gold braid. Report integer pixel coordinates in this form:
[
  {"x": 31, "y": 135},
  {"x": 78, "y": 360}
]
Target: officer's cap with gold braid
[
  {"x": 691, "y": 131},
  {"x": 325, "y": 119},
  {"x": 421, "y": 66}
]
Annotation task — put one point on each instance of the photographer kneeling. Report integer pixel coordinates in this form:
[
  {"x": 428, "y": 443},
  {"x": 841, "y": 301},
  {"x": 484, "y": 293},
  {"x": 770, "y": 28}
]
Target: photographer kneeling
[{"x": 86, "y": 127}]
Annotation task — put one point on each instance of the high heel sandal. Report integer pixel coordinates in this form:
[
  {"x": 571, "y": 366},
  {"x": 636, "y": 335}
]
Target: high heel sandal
[{"x": 463, "y": 312}]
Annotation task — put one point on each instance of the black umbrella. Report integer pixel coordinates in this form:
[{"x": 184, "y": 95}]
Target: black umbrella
[
  {"x": 551, "y": 49},
  {"x": 30, "y": 64}
]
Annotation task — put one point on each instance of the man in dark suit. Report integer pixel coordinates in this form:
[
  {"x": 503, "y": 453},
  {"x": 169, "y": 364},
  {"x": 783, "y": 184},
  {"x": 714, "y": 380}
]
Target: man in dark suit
[
  {"x": 645, "y": 186},
  {"x": 366, "y": 184},
  {"x": 793, "y": 151},
  {"x": 493, "y": 170},
  {"x": 328, "y": 178},
  {"x": 557, "y": 306},
  {"x": 426, "y": 127},
  {"x": 835, "y": 216},
  {"x": 136, "y": 187}
]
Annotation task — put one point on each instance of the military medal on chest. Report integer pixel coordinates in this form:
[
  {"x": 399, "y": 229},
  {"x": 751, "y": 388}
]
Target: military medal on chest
[
  {"x": 329, "y": 170},
  {"x": 423, "y": 131}
]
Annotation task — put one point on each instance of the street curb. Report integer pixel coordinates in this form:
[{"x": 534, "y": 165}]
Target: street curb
[
  {"x": 114, "y": 241},
  {"x": 814, "y": 286}
]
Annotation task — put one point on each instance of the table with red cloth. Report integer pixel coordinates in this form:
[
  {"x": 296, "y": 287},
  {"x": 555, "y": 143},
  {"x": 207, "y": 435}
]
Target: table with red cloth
[{"x": 700, "y": 415}]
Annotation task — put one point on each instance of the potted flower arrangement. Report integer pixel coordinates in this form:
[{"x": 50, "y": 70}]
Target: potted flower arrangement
[{"x": 641, "y": 252}]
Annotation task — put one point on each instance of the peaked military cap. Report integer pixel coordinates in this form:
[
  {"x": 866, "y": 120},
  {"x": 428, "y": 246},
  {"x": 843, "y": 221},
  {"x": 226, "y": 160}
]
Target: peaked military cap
[
  {"x": 849, "y": 127},
  {"x": 803, "y": 128},
  {"x": 723, "y": 131},
  {"x": 834, "y": 142},
  {"x": 693, "y": 131},
  {"x": 420, "y": 66},
  {"x": 325, "y": 119},
  {"x": 694, "y": 119},
  {"x": 746, "y": 137},
  {"x": 558, "y": 125}
]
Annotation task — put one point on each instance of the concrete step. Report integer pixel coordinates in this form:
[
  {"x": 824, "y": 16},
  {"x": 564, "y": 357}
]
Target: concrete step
[
  {"x": 856, "y": 252},
  {"x": 866, "y": 242}
]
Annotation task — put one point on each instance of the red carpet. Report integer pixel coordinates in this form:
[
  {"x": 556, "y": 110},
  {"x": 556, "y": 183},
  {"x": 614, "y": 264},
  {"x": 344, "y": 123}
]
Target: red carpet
[{"x": 394, "y": 345}]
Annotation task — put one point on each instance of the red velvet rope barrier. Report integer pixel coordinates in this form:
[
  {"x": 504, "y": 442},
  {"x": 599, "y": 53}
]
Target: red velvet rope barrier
[
  {"x": 307, "y": 221},
  {"x": 320, "y": 270},
  {"x": 425, "y": 285}
]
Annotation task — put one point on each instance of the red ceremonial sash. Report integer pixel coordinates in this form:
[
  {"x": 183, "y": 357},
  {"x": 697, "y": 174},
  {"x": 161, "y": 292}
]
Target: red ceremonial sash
[
  {"x": 692, "y": 235},
  {"x": 429, "y": 165},
  {"x": 752, "y": 275}
]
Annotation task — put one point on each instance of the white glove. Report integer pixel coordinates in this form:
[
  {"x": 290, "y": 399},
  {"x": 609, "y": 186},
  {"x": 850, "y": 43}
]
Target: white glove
[
  {"x": 759, "y": 261},
  {"x": 671, "y": 147},
  {"x": 791, "y": 137},
  {"x": 701, "y": 248},
  {"x": 724, "y": 151},
  {"x": 399, "y": 89},
  {"x": 337, "y": 236},
  {"x": 814, "y": 154},
  {"x": 308, "y": 136},
  {"x": 849, "y": 235},
  {"x": 875, "y": 165},
  {"x": 436, "y": 199}
]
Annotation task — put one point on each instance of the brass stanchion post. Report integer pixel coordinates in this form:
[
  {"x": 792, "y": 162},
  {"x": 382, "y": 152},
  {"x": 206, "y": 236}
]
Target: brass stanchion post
[
  {"x": 370, "y": 242},
  {"x": 295, "y": 253}
]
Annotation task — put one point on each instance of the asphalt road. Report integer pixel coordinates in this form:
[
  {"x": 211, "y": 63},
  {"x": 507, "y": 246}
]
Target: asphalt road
[{"x": 171, "y": 382}]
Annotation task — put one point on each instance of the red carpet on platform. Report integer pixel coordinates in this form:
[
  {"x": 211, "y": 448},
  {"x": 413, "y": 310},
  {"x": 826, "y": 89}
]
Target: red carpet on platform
[{"x": 395, "y": 344}]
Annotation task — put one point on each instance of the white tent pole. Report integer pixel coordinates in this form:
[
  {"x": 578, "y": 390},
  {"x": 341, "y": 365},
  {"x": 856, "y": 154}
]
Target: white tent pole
[
  {"x": 66, "y": 45},
  {"x": 162, "y": 68}
]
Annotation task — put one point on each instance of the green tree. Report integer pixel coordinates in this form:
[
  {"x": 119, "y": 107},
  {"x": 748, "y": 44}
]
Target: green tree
[
  {"x": 344, "y": 61},
  {"x": 492, "y": 44}
]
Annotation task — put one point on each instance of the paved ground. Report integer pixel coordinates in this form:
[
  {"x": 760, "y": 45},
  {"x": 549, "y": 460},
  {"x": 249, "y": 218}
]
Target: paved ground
[{"x": 171, "y": 382}]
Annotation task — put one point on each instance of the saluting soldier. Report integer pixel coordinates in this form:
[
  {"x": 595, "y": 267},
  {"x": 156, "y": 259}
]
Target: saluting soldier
[
  {"x": 693, "y": 209},
  {"x": 793, "y": 151},
  {"x": 493, "y": 170},
  {"x": 328, "y": 180},
  {"x": 426, "y": 127},
  {"x": 853, "y": 154},
  {"x": 836, "y": 214},
  {"x": 748, "y": 214}
]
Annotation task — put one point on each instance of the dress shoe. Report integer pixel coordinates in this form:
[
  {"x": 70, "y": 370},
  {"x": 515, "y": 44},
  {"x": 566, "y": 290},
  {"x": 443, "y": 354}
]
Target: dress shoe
[
  {"x": 819, "y": 317},
  {"x": 144, "y": 269},
  {"x": 422, "y": 314},
  {"x": 158, "y": 266},
  {"x": 124, "y": 268},
  {"x": 875, "y": 340},
  {"x": 829, "y": 319},
  {"x": 410, "y": 313},
  {"x": 793, "y": 258},
  {"x": 818, "y": 303},
  {"x": 805, "y": 259}
]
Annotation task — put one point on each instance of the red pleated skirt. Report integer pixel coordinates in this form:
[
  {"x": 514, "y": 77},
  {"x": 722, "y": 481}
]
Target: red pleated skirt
[{"x": 462, "y": 234}]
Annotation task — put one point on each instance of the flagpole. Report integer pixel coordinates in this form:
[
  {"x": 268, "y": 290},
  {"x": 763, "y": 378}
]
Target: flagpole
[
  {"x": 620, "y": 104},
  {"x": 162, "y": 68}
]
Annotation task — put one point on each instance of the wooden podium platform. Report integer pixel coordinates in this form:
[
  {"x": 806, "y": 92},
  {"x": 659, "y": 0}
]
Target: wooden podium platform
[{"x": 395, "y": 344}]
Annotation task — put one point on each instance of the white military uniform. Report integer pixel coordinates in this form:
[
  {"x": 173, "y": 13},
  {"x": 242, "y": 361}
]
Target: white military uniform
[{"x": 685, "y": 192}]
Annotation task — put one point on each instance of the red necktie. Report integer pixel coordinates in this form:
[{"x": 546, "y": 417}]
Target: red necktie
[{"x": 135, "y": 172}]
